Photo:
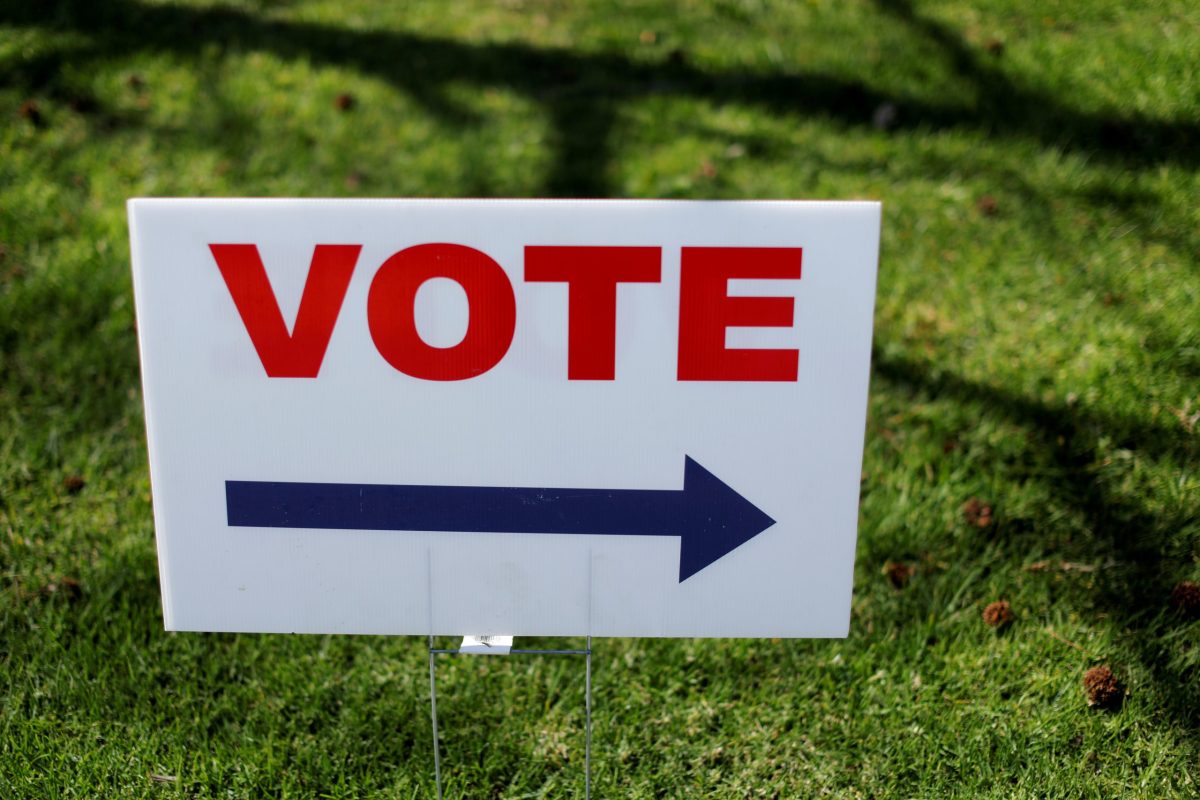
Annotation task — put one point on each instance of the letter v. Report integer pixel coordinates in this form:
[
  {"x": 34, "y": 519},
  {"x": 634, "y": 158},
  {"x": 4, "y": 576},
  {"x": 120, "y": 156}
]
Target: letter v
[{"x": 297, "y": 354}]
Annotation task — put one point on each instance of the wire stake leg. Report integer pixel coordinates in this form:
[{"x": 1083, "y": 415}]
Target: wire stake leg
[
  {"x": 437, "y": 756},
  {"x": 434, "y": 652},
  {"x": 587, "y": 747}
]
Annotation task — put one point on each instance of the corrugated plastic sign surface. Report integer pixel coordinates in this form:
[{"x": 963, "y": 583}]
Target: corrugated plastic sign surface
[{"x": 616, "y": 418}]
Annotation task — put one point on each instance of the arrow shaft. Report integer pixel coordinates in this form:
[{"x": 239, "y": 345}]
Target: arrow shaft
[{"x": 482, "y": 509}]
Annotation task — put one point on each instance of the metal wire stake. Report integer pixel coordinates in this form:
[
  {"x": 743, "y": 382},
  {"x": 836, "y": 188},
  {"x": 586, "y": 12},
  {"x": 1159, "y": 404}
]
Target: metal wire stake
[
  {"x": 434, "y": 652},
  {"x": 587, "y": 747},
  {"x": 437, "y": 757}
]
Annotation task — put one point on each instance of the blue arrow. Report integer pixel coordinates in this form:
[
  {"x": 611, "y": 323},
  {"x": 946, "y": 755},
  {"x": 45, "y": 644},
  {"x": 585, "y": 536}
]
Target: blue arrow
[{"x": 710, "y": 518}]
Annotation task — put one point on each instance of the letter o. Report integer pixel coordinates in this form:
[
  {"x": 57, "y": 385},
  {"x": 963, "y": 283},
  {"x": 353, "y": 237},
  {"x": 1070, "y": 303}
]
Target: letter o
[{"x": 492, "y": 312}]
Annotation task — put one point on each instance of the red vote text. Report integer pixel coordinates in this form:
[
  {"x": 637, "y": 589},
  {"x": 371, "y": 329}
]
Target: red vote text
[{"x": 592, "y": 275}]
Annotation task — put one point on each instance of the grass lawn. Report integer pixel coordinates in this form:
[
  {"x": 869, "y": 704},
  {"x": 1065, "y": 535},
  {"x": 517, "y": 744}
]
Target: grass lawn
[{"x": 1034, "y": 431}]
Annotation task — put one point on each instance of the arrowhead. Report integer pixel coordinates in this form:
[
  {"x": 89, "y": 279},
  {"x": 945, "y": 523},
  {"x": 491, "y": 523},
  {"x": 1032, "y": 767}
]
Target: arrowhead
[{"x": 715, "y": 520}]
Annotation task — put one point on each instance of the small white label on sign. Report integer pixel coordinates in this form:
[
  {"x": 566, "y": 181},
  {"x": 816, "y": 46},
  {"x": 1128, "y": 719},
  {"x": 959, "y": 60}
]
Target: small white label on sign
[{"x": 486, "y": 645}]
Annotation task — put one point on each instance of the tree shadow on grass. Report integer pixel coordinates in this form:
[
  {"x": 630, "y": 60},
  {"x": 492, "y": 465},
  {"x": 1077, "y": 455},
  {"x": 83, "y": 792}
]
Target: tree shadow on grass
[
  {"x": 583, "y": 92},
  {"x": 1147, "y": 551}
]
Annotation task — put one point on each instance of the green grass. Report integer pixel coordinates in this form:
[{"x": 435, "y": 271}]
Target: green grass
[{"x": 1044, "y": 358}]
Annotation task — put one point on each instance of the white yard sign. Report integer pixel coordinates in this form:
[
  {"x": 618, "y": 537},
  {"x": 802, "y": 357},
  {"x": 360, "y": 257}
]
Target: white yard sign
[{"x": 616, "y": 418}]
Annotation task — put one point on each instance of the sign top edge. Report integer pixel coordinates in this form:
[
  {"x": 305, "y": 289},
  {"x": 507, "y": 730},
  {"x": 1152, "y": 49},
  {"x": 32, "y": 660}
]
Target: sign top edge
[{"x": 135, "y": 202}]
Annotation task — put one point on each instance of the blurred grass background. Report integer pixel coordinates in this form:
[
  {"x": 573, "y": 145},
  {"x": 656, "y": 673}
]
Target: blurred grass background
[{"x": 1034, "y": 431}]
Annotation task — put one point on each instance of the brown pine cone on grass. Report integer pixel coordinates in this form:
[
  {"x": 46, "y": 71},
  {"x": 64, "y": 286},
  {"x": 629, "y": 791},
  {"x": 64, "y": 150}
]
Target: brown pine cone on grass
[{"x": 1103, "y": 689}]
